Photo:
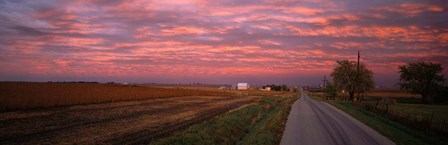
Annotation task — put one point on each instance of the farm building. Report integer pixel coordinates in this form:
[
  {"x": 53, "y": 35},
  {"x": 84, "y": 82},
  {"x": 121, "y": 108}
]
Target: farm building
[
  {"x": 242, "y": 86},
  {"x": 266, "y": 89},
  {"x": 225, "y": 88}
]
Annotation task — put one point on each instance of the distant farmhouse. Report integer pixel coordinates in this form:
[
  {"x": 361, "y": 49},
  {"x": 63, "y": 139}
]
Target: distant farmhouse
[
  {"x": 225, "y": 87},
  {"x": 242, "y": 86},
  {"x": 266, "y": 89}
]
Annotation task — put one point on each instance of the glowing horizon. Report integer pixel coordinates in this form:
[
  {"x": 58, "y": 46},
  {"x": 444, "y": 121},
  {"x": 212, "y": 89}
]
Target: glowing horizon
[{"x": 228, "y": 41}]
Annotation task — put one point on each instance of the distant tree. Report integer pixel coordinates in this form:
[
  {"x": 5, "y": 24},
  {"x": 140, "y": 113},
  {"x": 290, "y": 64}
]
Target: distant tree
[
  {"x": 331, "y": 91},
  {"x": 442, "y": 95},
  {"x": 422, "y": 78},
  {"x": 277, "y": 87},
  {"x": 284, "y": 88},
  {"x": 365, "y": 81},
  {"x": 295, "y": 89},
  {"x": 347, "y": 77}
]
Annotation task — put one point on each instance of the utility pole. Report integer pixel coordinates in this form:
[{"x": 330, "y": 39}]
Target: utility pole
[
  {"x": 325, "y": 82},
  {"x": 324, "y": 88},
  {"x": 358, "y": 75},
  {"x": 357, "y": 69}
]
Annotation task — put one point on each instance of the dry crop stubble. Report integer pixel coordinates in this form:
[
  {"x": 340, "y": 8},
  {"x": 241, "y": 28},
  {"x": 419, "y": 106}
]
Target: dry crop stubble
[{"x": 23, "y": 95}]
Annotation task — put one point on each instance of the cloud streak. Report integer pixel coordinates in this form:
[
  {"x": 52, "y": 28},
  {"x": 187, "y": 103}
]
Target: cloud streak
[{"x": 222, "y": 41}]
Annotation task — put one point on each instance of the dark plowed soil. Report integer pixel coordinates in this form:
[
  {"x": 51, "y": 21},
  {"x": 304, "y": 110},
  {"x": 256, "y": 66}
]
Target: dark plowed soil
[{"x": 130, "y": 122}]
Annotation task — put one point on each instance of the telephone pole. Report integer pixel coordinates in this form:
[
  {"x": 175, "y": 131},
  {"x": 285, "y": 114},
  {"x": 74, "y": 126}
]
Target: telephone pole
[
  {"x": 357, "y": 69},
  {"x": 358, "y": 75},
  {"x": 325, "y": 82}
]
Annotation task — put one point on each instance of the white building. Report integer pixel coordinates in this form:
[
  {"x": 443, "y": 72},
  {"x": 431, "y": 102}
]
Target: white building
[
  {"x": 242, "y": 86},
  {"x": 266, "y": 89}
]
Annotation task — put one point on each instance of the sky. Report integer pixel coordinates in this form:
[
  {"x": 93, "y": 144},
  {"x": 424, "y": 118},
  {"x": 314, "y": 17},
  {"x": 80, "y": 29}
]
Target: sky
[{"x": 216, "y": 41}]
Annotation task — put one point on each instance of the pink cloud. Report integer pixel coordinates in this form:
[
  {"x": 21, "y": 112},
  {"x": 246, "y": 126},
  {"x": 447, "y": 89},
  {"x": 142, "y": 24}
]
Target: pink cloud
[
  {"x": 411, "y": 9},
  {"x": 269, "y": 42},
  {"x": 183, "y": 30},
  {"x": 302, "y": 10},
  {"x": 407, "y": 34},
  {"x": 196, "y": 38}
]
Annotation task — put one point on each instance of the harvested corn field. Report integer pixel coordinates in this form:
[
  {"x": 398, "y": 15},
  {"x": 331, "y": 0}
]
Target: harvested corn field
[
  {"x": 130, "y": 122},
  {"x": 91, "y": 113}
]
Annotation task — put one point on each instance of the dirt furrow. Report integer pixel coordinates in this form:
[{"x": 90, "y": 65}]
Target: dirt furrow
[{"x": 125, "y": 122}]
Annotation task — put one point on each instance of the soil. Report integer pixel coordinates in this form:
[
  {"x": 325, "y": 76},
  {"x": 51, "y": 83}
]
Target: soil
[{"x": 129, "y": 122}]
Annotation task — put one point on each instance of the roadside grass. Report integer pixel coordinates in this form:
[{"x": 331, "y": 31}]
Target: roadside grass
[
  {"x": 434, "y": 114},
  {"x": 438, "y": 113},
  {"x": 261, "y": 123},
  {"x": 400, "y": 134},
  {"x": 393, "y": 94},
  {"x": 405, "y": 106},
  {"x": 410, "y": 106}
]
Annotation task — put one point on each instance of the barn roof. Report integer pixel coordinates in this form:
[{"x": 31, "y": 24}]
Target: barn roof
[{"x": 242, "y": 84}]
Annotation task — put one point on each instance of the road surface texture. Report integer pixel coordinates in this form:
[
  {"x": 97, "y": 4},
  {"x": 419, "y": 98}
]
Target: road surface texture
[
  {"x": 311, "y": 122},
  {"x": 127, "y": 122}
]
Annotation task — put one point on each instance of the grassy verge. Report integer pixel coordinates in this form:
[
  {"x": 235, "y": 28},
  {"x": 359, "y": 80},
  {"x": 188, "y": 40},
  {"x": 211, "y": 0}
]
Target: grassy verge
[
  {"x": 261, "y": 123},
  {"x": 408, "y": 110},
  {"x": 438, "y": 113},
  {"x": 398, "y": 133}
]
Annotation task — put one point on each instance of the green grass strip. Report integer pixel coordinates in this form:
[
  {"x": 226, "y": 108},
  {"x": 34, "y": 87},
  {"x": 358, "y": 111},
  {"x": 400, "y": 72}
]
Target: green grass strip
[
  {"x": 261, "y": 123},
  {"x": 395, "y": 131}
]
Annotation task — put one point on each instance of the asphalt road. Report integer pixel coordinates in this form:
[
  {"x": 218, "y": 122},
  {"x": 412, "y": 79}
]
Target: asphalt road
[{"x": 311, "y": 122}]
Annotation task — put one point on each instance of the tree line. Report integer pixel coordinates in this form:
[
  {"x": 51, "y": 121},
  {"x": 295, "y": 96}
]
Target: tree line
[
  {"x": 356, "y": 79},
  {"x": 277, "y": 87}
]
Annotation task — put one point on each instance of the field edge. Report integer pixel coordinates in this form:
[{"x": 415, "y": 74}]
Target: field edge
[{"x": 261, "y": 123}]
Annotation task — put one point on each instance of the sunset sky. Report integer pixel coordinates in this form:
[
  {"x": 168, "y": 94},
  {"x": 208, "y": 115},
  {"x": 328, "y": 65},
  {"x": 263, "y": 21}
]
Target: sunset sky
[{"x": 216, "y": 41}]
